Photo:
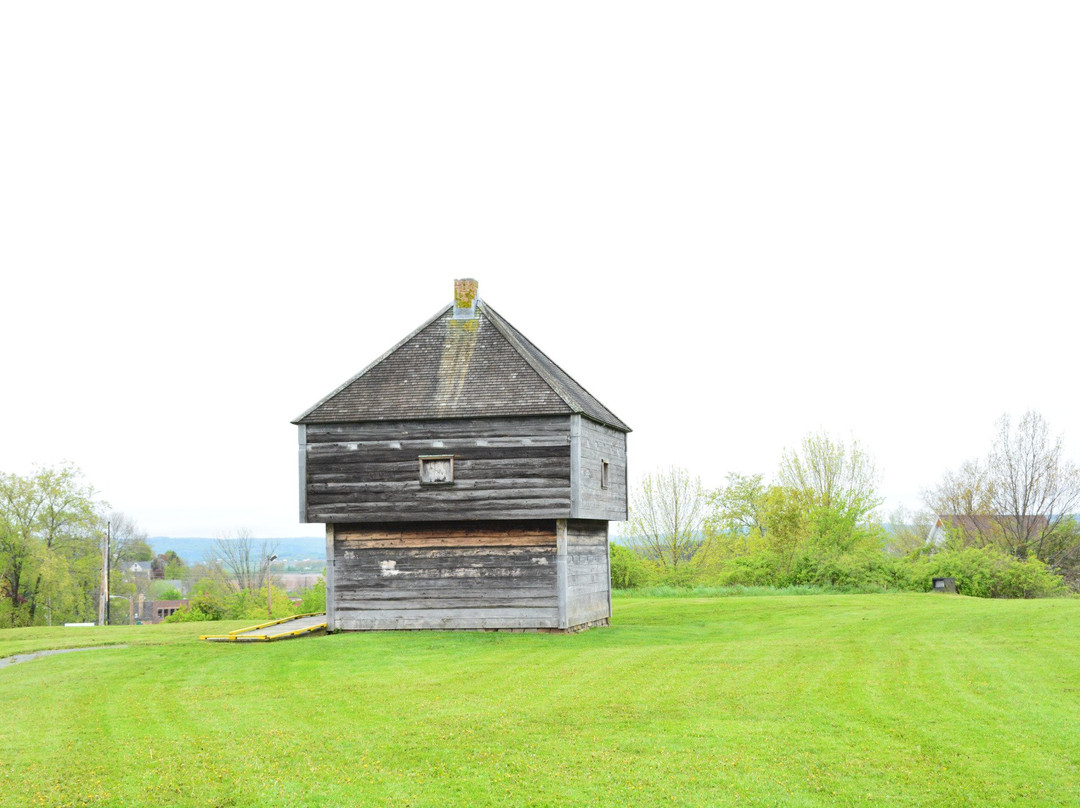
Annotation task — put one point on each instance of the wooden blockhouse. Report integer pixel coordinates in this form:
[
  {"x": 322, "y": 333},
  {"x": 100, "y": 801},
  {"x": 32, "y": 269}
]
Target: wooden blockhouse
[{"x": 466, "y": 482}]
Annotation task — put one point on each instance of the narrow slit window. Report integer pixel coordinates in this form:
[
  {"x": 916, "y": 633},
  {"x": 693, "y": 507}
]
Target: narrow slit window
[
  {"x": 436, "y": 469},
  {"x": 603, "y": 474}
]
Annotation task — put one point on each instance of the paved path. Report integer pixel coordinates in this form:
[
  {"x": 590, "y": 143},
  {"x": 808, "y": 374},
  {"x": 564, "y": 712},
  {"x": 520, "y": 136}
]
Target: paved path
[{"x": 11, "y": 660}]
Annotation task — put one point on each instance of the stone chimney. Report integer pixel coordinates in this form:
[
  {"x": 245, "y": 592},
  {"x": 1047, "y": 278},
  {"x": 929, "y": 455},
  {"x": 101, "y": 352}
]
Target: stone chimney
[{"x": 465, "y": 290}]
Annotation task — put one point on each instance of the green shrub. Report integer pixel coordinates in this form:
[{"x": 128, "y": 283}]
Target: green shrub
[
  {"x": 203, "y": 606},
  {"x": 628, "y": 569},
  {"x": 314, "y": 599},
  {"x": 986, "y": 572},
  {"x": 760, "y": 569},
  {"x": 251, "y": 605},
  {"x": 861, "y": 571},
  {"x": 722, "y": 591},
  {"x": 682, "y": 576}
]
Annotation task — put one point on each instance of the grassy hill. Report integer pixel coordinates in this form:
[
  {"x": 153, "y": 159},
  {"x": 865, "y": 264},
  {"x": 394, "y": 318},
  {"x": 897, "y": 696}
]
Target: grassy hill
[
  {"x": 815, "y": 700},
  {"x": 195, "y": 551}
]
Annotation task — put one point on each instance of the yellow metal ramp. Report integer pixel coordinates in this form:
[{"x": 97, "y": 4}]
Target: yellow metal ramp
[{"x": 296, "y": 626}]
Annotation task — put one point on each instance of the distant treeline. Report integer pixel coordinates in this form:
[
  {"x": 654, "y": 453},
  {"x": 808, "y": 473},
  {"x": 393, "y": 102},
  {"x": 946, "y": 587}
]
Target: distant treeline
[
  {"x": 57, "y": 539},
  {"x": 1001, "y": 526}
]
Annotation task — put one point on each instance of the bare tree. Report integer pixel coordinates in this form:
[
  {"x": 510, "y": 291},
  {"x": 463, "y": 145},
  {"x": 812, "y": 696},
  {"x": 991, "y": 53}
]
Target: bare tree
[
  {"x": 967, "y": 496},
  {"x": 127, "y": 539},
  {"x": 966, "y": 492},
  {"x": 666, "y": 512},
  {"x": 1019, "y": 499},
  {"x": 1035, "y": 488},
  {"x": 243, "y": 559}
]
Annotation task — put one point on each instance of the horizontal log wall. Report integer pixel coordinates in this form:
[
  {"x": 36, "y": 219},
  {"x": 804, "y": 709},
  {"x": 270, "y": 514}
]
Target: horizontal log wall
[
  {"x": 595, "y": 443},
  {"x": 588, "y": 577},
  {"x": 504, "y": 468},
  {"x": 446, "y": 575}
]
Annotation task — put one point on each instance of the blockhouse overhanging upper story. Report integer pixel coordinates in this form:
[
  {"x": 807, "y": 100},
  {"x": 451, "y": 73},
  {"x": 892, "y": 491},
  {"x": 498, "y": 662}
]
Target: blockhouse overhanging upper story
[{"x": 465, "y": 481}]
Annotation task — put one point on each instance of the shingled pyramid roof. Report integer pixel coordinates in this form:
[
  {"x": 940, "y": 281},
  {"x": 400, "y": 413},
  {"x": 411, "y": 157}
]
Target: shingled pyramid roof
[{"x": 453, "y": 368}]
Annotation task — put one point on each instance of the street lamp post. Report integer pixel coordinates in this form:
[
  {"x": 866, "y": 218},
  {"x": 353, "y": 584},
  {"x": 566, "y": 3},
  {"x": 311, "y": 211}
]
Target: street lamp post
[{"x": 269, "y": 593}]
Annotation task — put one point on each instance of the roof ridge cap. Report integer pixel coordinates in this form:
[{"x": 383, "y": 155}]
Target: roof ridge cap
[{"x": 384, "y": 355}]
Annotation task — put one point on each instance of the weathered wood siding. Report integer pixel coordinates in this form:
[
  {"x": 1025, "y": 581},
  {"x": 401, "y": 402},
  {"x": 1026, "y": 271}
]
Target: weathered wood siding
[
  {"x": 592, "y": 444},
  {"x": 330, "y": 576},
  {"x": 482, "y": 574},
  {"x": 588, "y": 576},
  {"x": 504, "y": 468}
]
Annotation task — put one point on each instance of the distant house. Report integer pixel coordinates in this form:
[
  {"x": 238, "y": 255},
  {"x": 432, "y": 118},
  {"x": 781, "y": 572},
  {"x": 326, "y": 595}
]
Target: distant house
[
  {"x": 155, "y": 611},
  {"x": 138, "y": 570},
  {"x": 984, "y": 529}
]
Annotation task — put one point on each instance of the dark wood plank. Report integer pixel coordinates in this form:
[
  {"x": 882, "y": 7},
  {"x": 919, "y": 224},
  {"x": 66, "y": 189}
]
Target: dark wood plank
[{"x": 436, "y": 429}]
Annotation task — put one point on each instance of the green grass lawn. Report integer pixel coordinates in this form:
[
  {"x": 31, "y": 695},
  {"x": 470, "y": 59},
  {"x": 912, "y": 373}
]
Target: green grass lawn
[{"x": 814, "y": 700}]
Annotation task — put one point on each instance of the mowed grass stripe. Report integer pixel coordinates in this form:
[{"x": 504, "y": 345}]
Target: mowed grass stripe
[{"x": 810, "y": 700}]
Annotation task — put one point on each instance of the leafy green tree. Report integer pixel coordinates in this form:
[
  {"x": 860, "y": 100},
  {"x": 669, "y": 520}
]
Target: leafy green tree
[
  {"x": 737, "y": 515},
  {"x": 748, "y": 517},
  {"x": 49, "y": 540},
  {"x": 785, "y": 524},
  {"x": 173, "y": 564},
  {"x": 836, "y": 484},
  {"x": 820, "y": 509}
]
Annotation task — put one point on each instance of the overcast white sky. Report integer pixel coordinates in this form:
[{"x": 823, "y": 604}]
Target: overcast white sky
[{"x": 735, "y": 223}]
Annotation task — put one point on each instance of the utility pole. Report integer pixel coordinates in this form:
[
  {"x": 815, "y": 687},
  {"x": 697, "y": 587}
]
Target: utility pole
[
  {"x": 269, "y": 593},
  {"x": 108, "y": 576},
  {"x": 103, "y": 605}
]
